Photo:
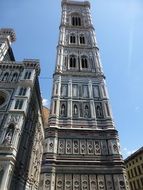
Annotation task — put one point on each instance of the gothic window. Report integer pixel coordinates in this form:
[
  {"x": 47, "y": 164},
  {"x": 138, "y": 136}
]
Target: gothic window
[
  {"x": 18, "y": 104},
  {"x": 84, "y": 62},
  {"x": 72, "y": 39},
  {"x": 63, "y": 110},
  {"x": 82, "y": 39},
  {"x": 14, "y": 77},
  {"x": 9, "y": 134},
  {"x": 22, "y": 91},
  {"x": 85, "y": 91},
  {"x": 5, "y": 77},
  {"x": 72, "y": 61},
  {"x": 95, "y": 91},
  {"x": 74, "y": 90},
  {"x": 27, "y": 75},
  {"x": 76, "y": 21}
]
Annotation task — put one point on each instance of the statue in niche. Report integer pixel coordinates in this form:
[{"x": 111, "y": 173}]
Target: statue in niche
[
  {"x": 99, "y": 111},
  {"x": 75, "y": 110},
  {"x": 86, "y": 111},
  {"x": 63, "y": 110},
  {"x": 9, "y": 135}
]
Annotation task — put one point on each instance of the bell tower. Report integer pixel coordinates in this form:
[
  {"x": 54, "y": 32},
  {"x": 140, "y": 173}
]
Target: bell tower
[{"x": 82, "y": 146}]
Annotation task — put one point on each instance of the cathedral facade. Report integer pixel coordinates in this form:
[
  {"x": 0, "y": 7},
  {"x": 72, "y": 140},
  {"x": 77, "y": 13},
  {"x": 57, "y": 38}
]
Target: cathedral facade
[
  {"x": 81, "y": 150},
  {"x": 21, "y": 125}
]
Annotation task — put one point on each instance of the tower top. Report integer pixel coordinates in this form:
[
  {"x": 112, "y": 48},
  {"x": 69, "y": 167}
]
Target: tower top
[
  {"x": 5, "y": 32},
  {"x": 75, "y": 2}
]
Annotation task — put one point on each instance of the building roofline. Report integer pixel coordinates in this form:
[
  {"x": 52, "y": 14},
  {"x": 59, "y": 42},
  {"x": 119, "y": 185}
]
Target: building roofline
[
  {"x": 132, "y": 156},
  {"x": 77, "y": 3}
]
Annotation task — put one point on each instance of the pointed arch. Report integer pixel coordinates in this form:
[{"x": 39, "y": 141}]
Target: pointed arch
[{"x": 84, "y": 62}]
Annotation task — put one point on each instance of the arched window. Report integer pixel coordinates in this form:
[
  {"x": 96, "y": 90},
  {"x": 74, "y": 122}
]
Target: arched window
[
  {"x": 72, "y": 61},
  {"x": 9, "y": 134},
  {"x": 18, "y": 104},
  {"x": 5, "y": 77},
  {"x": 82, "y": 39},
  {"x": 76, "y": 21},
  {"x": 22, "y": 91},
  {"x": 14, "y": 77},
  {"x": 84, "y": 62},
  {"x": 72, "y": 39}
]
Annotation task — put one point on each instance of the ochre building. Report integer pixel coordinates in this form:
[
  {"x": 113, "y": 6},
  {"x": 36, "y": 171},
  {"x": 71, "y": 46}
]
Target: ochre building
[{"x": 134, "y": 167}]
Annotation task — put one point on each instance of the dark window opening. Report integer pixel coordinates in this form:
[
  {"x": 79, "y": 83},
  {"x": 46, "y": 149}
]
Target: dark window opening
[
  {"x": 76, "y": 21},
  {"x": 84, "y": 63},
  {"x": 72, "y": 61}
]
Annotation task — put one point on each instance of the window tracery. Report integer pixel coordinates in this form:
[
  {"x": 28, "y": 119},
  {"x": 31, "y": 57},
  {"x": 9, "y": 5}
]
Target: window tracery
[
  {"x": 84, "y": 62},
  {"x": 72, "y": 61},
  {"x": 76, "y": 21}
]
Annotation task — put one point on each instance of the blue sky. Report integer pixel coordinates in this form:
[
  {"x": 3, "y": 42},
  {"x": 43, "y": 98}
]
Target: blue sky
[{"x": 119, "y": 28}]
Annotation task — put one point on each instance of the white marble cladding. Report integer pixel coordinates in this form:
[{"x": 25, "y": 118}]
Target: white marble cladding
[
  {"x": 83, "y": 182},
  {"x": 82, "y": 146}
]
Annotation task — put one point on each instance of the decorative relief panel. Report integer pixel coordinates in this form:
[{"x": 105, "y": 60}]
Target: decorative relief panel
[
  {"x": 104, "y": 147},
  {"x": 97, "y": 147},
  {"x": 76, "y": 146},
  {"x": 76, "y": 182},
  {"x": 101, "y": 182},
  {"x": 109, "y": 182},
  {"x": 92, "y": 182},
  {"x": 61, "y": 146},
  {"x": 69, "y": 146},
  {"x": 60, "y": 182},
  {"x": 84, "y": 182},
  {"x": 113, "y": 147},
  {"x": 83, "y": 147},
  {"x": 47, "y": 182},
  {"x": 90, "y": 148},
  {"x": 87, "y": 182},
  {"x": 68, "y": 182},
  {"x": 50, "y": 145}
]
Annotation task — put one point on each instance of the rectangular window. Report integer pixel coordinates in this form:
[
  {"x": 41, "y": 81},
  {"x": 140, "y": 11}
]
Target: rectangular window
[
  {"x": 138, "y": 183},
  {"x": 135, "y": 171},
  {"x": 132, "y": 173},
  {"x": 129, "y": 175},
  {"x": 131, "y": 185},
  {"x": 141, "y": 181},
  {"x": 139, "y": 170}
]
